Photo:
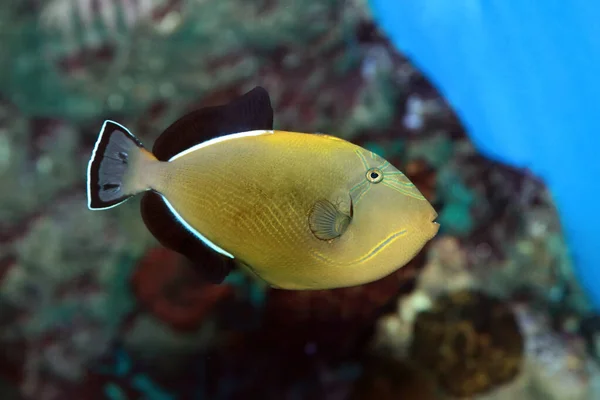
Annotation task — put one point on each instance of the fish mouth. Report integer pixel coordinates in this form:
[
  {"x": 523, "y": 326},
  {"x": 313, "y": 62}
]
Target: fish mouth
[
  {"x": 435, "y": 225},
  {"x": 433, "y": 218}
]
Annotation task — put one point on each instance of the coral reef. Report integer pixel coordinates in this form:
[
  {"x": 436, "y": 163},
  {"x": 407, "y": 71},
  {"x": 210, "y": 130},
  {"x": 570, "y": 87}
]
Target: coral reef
[
  {"x": 312, "y": 320},
  {"x": 388, "y": 379},
  {"x": 65, "y": 320},
  {"x": 469, "y": 341},
  {"x": 39, "y": 162},
  {"x": 558, "y": 366},
  {"x": 173, "y": 292},
  {"x": 68, "y": 311},
  {"x": 91, "y": 308},
  {"x": 555, "y": 363}
]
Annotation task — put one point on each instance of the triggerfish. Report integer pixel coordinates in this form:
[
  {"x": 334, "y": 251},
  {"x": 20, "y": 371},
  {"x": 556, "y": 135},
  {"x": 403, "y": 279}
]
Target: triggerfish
[{"x": 297, "y": 210}]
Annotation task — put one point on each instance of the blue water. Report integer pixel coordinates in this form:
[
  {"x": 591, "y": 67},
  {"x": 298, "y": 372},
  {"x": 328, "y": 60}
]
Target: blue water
[{"x": 523, "y": 77}]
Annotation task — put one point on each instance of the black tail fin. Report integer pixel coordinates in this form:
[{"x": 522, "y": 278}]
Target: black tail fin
[{"x": 109, "y": 169}]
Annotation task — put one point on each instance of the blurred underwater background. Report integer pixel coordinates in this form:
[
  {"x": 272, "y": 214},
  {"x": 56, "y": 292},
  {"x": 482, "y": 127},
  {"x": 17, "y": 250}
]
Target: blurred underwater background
[{"x": 92, "y": 307}]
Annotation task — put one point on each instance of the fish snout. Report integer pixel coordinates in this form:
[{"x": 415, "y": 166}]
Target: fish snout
[{"x": 434, "y": 227}]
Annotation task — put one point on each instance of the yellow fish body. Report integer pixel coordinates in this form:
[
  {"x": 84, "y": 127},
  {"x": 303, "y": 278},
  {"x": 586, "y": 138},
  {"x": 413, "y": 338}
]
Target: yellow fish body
[{"x": 301, "y": 211}]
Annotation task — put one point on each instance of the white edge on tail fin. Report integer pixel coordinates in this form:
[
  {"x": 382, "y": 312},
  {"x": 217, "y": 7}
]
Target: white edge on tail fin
[
  {"x": 195, "y": 232},
  {"x": 221, "y": 139},
  {"x": 89, "y": 169}
]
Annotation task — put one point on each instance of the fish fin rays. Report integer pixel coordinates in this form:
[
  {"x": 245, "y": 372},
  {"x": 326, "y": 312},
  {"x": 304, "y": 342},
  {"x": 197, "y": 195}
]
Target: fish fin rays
[
  {"x": 326, "y": 221},
  {"x": 110, "y": 165},
  {"x": 249, "y": 112},
  {"x": 163, "y": 225}
]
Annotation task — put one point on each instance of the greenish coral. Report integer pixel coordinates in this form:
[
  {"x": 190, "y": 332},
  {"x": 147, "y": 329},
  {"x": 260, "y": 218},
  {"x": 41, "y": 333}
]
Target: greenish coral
[
  {"x": 377, "y": 101},
  {"x": 140, "y": 382},
  {"x": 540, "y": 258},
  {"x": 151, "y": 340},
  {"x": 437, "y": 149},
  {"x": 388, "y": 150},
  {"x": 150, "y": 389},
  {"x": 455, "y": 217},
  {"x": 58, "y": 290},
  {"x": 208, "y": 33},
  {"x": 114, "y": 392},
  {"x": 32, "y": 180},
  {"x": 32, "y": 82}
]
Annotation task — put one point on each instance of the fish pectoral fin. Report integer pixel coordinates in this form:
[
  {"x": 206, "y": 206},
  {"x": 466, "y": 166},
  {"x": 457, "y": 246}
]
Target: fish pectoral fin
[
  {"x": 171, "y": 234},
  {"x": 326, "y": 221},
  {"x": 249, "y": 112}
]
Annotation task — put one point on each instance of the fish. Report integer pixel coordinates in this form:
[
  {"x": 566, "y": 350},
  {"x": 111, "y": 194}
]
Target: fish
[{"x": 299, "y": 211}]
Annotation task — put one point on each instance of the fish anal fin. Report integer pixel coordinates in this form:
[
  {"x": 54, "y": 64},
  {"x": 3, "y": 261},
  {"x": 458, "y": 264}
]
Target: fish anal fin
[
  {"x": 249, "y": 112},
  {"x": 326, "y": 221},
  {"x": 163, "y": 225}
]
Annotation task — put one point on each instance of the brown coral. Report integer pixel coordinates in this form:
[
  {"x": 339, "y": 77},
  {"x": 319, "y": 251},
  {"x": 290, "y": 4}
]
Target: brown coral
[
  {"x": 389, "y": 379},
  {"x": 319, "y": 316},
  {"x": 173, "y": 292},
  {"x": 469, "y": 341}
]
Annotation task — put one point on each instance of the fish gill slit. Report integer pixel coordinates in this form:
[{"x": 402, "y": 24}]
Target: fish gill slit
[{"x": 362, "y": 189}]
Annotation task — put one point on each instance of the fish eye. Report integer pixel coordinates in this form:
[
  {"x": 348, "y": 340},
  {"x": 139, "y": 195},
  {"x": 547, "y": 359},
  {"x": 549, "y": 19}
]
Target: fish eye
[{"x": 374, "y": 175}]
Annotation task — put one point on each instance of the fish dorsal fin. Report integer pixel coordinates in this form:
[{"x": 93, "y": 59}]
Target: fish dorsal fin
[
  {"x": 161, "y": 222},
  {"x": 326, "y": 221},
  {"x": 249, "y": 112}
]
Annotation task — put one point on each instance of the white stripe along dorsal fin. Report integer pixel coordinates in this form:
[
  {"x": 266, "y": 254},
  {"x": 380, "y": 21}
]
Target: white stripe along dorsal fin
[{"x": 220, "y": 140}]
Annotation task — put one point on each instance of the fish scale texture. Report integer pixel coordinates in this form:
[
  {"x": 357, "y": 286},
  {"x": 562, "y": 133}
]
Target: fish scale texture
[{"x": 241, "y": 183}]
